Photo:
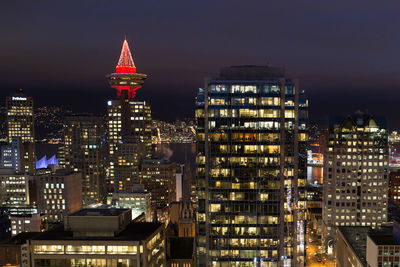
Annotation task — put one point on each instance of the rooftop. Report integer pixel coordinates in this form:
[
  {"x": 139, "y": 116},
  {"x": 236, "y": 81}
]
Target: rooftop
[
  {"x": 134, "y": 231},
  {"x": 356, "y": 236},
  {"x": 99, "y": 212},
  {"x": 181, "y": 247},
  {"x": 156, "y": 161},
  {"x": 20, "y": 238},
  {"x": 383, "y": 236}
]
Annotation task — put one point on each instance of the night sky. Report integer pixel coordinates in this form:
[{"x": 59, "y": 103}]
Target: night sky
[{"x": 345, "y": 53}]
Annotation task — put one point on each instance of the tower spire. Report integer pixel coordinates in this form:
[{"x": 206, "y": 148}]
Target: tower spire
[
  {"x": 125, "y": 62},
  {"x": 125, "y": 79}
]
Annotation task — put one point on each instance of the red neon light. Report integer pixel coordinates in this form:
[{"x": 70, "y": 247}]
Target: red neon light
[
  {"x": 125, "y": 62},
  {"x": 131, "y": 90}
]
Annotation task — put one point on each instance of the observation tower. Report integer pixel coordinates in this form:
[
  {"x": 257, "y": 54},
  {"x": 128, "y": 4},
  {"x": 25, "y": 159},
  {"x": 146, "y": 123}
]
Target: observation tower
[{"x": 125, "y": 79}]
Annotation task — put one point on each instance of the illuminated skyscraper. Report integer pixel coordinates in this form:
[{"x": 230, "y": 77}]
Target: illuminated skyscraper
[
  {"x": 84, "y": 153},
  {"x": 355, "y": 173},
  {"x": 251, "y": 168},
  {"x": 129, "y": 124},
  {"x": 20, "y": 123}
]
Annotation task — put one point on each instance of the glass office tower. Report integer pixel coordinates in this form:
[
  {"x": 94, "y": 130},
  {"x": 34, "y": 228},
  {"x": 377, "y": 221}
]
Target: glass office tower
[{"x": 251, "y": 168}]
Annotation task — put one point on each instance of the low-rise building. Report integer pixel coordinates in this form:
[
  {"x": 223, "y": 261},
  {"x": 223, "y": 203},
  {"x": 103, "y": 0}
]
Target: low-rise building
[
  {"x": 15, "y": 252},
  {"x": 26, "y": 223},
  {"x": 138, "y": 201},
  {"x": 363, "y": 246},
  {"x": 394, "y": 187},
  {"x": 351, "y": 246},
  {"x": 100, "y": 237},
  {"x": 59, "y": 194}
]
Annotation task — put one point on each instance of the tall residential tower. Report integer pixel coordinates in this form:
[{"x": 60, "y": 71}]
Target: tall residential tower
[{"x": 251, "y": 168}]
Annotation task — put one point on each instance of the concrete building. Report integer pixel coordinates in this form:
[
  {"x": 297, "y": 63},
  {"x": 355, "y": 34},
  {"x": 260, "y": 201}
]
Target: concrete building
[
  {"x": 15, "y": 251},
  {"x": 85, "y": 153},
  {"x": 100, "y": 237},
  {"x": 363, "y": 246},
  {"x": 59, "y": 194},
  {"x": 138, "y": 201},
  {"x": 11, "y": 155},
  {"x": 251, "y": 129},
  {"x": 184, "y": 182},
  {"x": 32, "y": 222},
  {"x": 14, "y": 188},
  {"x": 351, "y": 246},
  {"x": 20, "y": 123},
  {"x": 128, "y": 120},
  {"x": 159, "y": 178},
  {"x": 355, "y": 189},
  {"x": 127, "y": 161},
  {"x": 394, "y": 187}
]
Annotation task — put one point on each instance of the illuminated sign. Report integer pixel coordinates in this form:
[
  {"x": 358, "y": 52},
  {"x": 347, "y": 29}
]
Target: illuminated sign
[{"x": 19, "y": 98}]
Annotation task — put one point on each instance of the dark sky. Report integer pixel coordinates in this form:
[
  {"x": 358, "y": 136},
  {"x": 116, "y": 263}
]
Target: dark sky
[{"x": 345, "y": 53}]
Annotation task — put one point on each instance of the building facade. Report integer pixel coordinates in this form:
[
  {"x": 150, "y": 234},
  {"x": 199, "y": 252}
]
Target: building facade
[
  {"x": 20, "y": 123},
  {"x": 100, "y": 237},
  {"x": 26, "y": 223},
  {"x": 355, "y": 189},
  {"x": 59, "y": 194},
  {"x": 138, "y": 202},
  {"x": 159, "y": 178},
  {"x": 11, "y": 155},
  {"x": 14, "y": 188},
  {"x": 84, "y": 153},
  {"x": 394, "y": 187},
  {"x": 251, "y": 168}
]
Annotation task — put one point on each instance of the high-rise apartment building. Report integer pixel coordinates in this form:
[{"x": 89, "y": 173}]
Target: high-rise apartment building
[
  {"x": 129, "y": 124},
  {"x": 20, "y": 123},
  {"x": 251, "y": 168},
  {"x": 355, "y": 189},
  {"x": 84, "y": 153},
  {"x": 159, "y": 178}
]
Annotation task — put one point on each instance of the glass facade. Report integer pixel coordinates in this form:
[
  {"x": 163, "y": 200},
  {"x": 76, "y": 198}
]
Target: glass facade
[{"x": 251, "y": 169}]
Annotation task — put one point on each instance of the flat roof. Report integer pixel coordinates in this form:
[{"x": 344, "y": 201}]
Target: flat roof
[
  {"x": 20, "y": 238},
  {"x": 99, "y": 212},
  {"x": 356, "y": 236},
  {"x": 181, "y": 248},
  {"x": 383, "y": 236},
  {"x": 134, "y": 231}
]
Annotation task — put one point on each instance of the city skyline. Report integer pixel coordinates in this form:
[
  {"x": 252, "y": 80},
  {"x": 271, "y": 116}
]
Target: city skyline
[{"x": 342, "y": 58}]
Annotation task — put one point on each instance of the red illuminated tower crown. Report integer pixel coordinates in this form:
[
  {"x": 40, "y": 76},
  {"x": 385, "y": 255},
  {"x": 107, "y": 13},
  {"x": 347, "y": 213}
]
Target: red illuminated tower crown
[{"x": 125, "y": 79}]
